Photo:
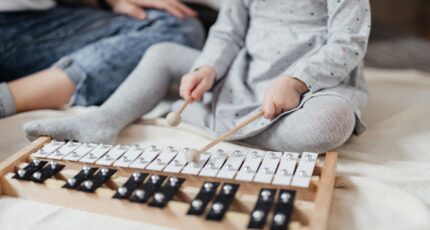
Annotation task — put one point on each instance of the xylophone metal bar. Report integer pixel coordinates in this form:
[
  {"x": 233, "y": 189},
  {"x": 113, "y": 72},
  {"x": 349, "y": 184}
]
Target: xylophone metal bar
[
  {"x": 78, "y": 153},
  {"x": 129, "y": 157},
  {"x": 273, "y": 167}
]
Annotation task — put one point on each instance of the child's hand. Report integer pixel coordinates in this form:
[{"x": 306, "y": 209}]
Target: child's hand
[
  {"x": 195, "y": 84},
  {"x": 282, "y": 95}
]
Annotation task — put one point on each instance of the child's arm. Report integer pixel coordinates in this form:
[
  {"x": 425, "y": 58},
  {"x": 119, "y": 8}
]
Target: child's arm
[
  {"x": 349, "y": 29},
  {"x": 225, "y": 40},
  {"x": 226, "y": 37}
]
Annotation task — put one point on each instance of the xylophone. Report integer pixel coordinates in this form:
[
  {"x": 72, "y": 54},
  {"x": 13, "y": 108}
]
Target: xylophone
[{"x": 223, "y": 190}]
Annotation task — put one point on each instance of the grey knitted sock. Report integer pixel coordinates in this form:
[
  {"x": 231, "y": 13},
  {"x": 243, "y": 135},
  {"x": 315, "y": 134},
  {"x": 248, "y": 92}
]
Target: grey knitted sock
[
  {"x": 138, "y": 94},
  {"x": 91, "y": 127},
  {"x": 7, "y": 104}
]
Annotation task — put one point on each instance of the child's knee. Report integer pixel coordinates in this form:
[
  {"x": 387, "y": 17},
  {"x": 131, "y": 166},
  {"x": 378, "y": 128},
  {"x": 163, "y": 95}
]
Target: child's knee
[
  {"x": 318, "y": 128},
  {"x": 330, "y": 129},
  {"x": 161, "y": 51},
  {"x": 161, "y": 56}
]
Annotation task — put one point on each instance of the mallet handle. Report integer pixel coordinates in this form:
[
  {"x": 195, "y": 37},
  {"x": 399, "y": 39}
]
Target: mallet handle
[
  {"x": 180, "y": 110},
  {"x": 231, "y": 131}
]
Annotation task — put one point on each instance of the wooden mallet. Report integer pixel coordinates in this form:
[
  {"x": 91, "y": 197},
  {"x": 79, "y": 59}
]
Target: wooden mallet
[
  {"x": 193, "y": 155},
  {"x": 174, "y": 118}
]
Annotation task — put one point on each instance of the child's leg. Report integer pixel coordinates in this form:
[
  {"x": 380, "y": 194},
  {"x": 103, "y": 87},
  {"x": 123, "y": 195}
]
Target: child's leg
[
  {"x": 137, "y": 95},
  {"x": 324, "y": 122}
]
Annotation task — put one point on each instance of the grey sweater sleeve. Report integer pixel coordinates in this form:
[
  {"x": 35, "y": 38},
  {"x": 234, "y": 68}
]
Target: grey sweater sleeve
[
  {"x": 348, "y": 33},
  {"x": 226, "y": 37}
]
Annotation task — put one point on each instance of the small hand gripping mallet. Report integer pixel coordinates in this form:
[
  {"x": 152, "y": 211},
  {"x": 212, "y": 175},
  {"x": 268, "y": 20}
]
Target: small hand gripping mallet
[
  {"x": 193, "y": 155},
  {"x": 174, "y": 118}
]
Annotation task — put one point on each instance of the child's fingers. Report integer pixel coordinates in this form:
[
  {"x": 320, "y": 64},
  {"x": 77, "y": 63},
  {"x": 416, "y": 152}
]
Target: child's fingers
[
  {"x": 200, "y": 89},
  {"x": 279, "y": 108},
  {"x": 269, "y": 109},
  {"x": 188, "y": 83},
  {"x": 182, "y": 90}
]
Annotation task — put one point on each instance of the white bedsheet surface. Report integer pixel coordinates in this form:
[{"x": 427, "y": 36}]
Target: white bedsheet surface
[{"x": 383, "y": 179}]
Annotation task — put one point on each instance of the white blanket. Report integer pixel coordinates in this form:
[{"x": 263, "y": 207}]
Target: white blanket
[{"x": 383, "y": 179}]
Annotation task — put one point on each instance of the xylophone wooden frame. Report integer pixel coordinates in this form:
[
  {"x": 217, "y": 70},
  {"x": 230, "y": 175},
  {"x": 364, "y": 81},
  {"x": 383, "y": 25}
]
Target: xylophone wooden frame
[{"x": 312, "y": 204}]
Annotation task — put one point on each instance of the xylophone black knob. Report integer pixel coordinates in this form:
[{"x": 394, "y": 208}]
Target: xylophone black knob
[
  {"x": 122, "y": 191},
  {"x": 88, "y": 184},
  {"x": 197, "y": 204},
  {"x": 258, "y": 215},
  {"x": 159, "y": 197},
  {"x": 37, "y": 175},
  {"x": 217, "y": 207},
  {"x": 279, "y": 219},
  {"x": 140, "y": 193},
  {"x": 21, "y": 172},
  {"x": 71, "y": 181}
]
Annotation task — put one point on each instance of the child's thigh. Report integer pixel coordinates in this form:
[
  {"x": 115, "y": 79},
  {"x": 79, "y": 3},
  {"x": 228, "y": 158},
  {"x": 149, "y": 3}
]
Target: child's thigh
[{"x": 323, "y": 123}]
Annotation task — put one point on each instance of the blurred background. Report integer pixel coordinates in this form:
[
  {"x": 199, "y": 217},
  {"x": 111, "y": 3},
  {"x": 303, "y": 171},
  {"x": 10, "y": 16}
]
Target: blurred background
[{"x": 400, "y": 35}]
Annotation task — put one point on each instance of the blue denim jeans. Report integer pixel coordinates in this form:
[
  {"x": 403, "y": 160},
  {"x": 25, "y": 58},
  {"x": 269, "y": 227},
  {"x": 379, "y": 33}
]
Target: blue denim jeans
[{"x": 97, "y": 49}]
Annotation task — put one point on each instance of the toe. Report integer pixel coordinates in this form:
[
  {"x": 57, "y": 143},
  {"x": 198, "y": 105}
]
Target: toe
[{"x": 32, "y": 130}]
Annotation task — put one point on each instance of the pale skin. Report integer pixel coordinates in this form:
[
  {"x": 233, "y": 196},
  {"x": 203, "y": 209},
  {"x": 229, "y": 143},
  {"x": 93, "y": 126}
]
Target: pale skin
[
  {"x": 52, "y": 88},
  {"x": 282, "y": 95}
]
